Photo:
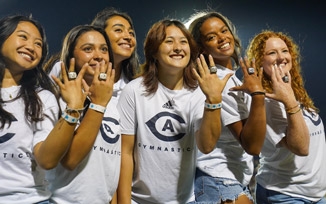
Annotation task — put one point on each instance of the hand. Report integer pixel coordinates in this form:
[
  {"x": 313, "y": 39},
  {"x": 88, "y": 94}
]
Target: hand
[
  {"x": 282, "y": 91},
  {"x": 101, "y": 90},
  {"x": 252, "y": 82},
  {"x": 71, "y": 90},
  {"x": 210, "y": 84}
]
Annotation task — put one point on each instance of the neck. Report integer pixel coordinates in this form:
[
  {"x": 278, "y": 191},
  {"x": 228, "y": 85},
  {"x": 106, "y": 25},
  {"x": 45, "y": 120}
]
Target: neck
[
  {"x": 172, "y": 82},
  {"x": 224, "y": 63},
  {"x": 10, "y": 79}
]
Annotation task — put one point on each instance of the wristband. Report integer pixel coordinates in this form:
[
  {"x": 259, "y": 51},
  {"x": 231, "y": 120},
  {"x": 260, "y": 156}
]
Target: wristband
[
  {"x": 97, "y": 108},
  {"x": 69, "y": 118},
  {"x": 213, "y": 106}
]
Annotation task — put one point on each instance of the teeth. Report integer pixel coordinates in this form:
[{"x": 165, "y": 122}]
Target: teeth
[
  {"x": 126, "y": 45},
  {"x": 177, "y": 57},
  {"x": 225, "y": 45},
  {"x": 25, "y": 55}
]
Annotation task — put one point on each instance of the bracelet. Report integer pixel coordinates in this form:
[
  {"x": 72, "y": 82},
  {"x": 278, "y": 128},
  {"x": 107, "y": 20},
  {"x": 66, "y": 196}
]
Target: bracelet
[
  {"x": 257, "y": 93},
  {"x": 293, "y": 112},
  {"x": 69, "y": 118},
  {"x": 79, "y": 111},
  {"x": 287, "y": 109},
  {"x": 97, "y": 108},
  {"x": 213, "y": 106}
]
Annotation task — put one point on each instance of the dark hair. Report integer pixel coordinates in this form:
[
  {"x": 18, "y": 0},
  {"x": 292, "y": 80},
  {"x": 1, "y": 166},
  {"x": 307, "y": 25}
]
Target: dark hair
[
  {"x": 155, "y": 36},
  {"x": 31, "y": 79},
  {"x": 197, "y": 20},
  {"x": 130, "y": 65},
  {"x": 70, "y": 40}
]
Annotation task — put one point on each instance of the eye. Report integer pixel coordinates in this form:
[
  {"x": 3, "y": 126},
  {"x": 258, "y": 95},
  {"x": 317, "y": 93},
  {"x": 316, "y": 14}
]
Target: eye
[
  {"x": 132, "y": 33},
  {"x": 225, "y": 30},
  {"x": 39, "y": 44},
  {"x": 210, "y": 37},
  {"x": 87, "y": 49},
  {"x": 105, "y": 49},
  {"x": 23, "y": 36},
  {"x": 118, "y": 30}
]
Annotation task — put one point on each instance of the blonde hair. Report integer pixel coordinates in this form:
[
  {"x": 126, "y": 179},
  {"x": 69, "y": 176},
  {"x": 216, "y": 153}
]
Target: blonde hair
[{"x": 255, "y": 51}]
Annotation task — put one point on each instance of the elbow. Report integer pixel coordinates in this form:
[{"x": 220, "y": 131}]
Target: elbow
[
  {"x": 206, "y": 149},
  {"x": 254, "y": 151},
  {"x": 69, "y": 165},
  {"x": 47, "y": 165},
  {"x": 302, "y": 152}
]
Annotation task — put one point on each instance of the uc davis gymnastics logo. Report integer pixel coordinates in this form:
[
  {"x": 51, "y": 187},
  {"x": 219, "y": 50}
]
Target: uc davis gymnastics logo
[
  {"x": 151, "y": 124},
  {"x": 106, "y": 130}
]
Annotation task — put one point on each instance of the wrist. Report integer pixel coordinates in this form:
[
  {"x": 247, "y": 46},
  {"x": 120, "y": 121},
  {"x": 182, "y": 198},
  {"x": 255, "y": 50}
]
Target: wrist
[{"x": 213, "y": 106}]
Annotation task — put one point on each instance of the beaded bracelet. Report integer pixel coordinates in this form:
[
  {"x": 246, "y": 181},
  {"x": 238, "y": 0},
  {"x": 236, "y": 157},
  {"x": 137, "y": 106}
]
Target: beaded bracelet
[
  {"x": 257, "y": 93},
  {"x": 97, "y": 108},
  {"x": 69, "y": 118},
  {"x": 213, "y": 106}
]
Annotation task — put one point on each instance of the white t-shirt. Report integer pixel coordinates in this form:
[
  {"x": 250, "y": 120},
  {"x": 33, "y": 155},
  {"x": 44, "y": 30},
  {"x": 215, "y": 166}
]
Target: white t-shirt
[
  {"x": 281, "y": 170},
  {"x": 95, "y": 179},
  {"x": 229, "y": 159},
  {"x": 22, "y": 180},
  {"x": 164, "y": 125}
]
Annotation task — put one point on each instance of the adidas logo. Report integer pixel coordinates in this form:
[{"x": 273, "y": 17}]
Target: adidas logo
[{"x": 168, "y": 105}]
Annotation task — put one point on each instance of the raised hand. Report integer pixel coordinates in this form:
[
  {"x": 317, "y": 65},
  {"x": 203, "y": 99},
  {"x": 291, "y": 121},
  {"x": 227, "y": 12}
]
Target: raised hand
[
  {"x": 209, "y": 82},
  {"x": 252, "y": 78},
  {"x": 101, "y": 88},
  {"x": 71, "y": 86},
  {"x": 282, "y": 90}
]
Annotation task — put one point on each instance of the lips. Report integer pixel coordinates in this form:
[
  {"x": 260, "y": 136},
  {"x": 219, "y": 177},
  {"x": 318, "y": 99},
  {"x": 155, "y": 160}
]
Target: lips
[{"x": 27, "y": 56}]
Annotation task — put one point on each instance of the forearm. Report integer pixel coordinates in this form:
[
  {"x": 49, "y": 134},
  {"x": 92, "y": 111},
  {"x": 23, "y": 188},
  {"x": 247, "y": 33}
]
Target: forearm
[
  {"x": 297, "y": 135},
  {"x": 209, "y": 131},
  {"x": 127, "y": 169},
  {"x": 49, "y": 153},
  {"x": 84, "y": 139},
  {"x": 254, "y": 130}
]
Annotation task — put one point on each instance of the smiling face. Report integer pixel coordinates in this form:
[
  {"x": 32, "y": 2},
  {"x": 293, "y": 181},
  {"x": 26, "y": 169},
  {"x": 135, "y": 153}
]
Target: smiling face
[
  {"x": 122, "y": 38},
  {"x": 90, "y": 48},
  {"x": 276, "y": 53},
  {"x": 23, "y": 48},
  {"x": 174, "y": 52},
  {"x": 217, "y": 40}
]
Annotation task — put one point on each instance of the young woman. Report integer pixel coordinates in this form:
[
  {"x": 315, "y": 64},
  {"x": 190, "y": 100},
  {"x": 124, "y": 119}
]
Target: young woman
[
  {"x": 89, "y": 171},
  {"x": 29, "y": 140},
  {"x": 163, "y": 118},
  {"x": 292, "y": 161},
  {"x": 223, "y": 175}
]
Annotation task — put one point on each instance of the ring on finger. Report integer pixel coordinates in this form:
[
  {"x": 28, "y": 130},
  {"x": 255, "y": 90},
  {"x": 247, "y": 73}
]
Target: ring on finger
[
  {"x": 285, "y": 79},
  {"x": 213, "y": 69},
  {"x": 251, "y": 70},
  {"x": 72, "y": 75},
  {"x": 102, "y": 76}
]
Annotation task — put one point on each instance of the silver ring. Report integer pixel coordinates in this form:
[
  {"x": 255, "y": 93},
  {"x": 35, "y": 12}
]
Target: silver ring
[
  {"x": 251, "y": 70},
  {"x": 285, "y": 79},
  {"x": 102, "y": 76},
  {"x": 72, "y": 75},
  {"x": 213, "y": 69}
]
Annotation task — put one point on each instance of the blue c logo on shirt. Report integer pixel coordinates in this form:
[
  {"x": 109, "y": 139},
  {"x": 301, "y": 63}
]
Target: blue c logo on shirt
[
  {"x": 167, "y": 126},
  {"x": 4, "y": 138},
  {"x": 106, "y": 128}
]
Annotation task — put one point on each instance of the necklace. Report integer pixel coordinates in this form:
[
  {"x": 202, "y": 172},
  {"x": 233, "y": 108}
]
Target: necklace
[{"x": 9, "y": 93}]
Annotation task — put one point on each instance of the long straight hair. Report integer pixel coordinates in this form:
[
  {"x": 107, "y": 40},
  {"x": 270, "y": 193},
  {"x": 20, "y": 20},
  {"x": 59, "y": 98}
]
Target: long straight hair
[{"x": 32, "y": 80}]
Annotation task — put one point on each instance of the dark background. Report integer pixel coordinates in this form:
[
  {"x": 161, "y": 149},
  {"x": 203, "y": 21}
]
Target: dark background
[{"x": 303, "y": 20}]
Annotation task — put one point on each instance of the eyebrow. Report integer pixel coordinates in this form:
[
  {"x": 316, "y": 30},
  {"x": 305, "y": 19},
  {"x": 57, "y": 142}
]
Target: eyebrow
[
  {"x": 23, "y": 31},
  {"x": 121, "y": 25}
]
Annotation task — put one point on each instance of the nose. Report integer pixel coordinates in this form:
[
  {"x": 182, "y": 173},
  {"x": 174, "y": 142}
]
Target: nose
[
  {"x": 98, "y": 56},
  {"x": 177, "y": 48},
  {"x": 126, "y": 35}
]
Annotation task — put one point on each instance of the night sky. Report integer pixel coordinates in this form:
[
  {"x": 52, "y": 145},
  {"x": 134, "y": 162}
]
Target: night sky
[{"x": 303, "y": 20}]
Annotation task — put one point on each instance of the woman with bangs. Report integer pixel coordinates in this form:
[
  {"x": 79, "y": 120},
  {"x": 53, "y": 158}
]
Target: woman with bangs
[{"x": 168, "y": 112}]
